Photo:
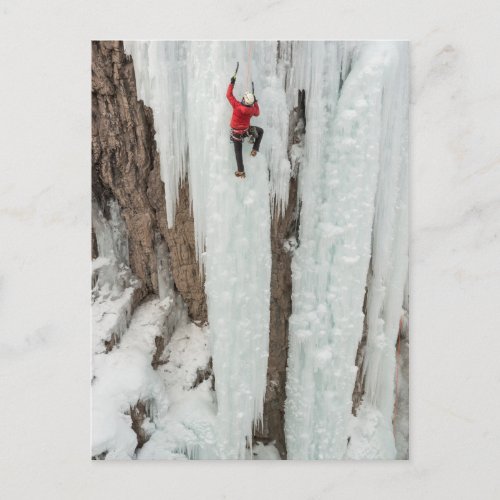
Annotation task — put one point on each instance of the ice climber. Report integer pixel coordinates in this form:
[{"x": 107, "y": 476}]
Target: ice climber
[{"x": 240, "y": 124}]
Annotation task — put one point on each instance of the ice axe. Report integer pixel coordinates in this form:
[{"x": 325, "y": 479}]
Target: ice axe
[
  {"x": 236, "y": 71},
  {"x": 253, "y": 93}
]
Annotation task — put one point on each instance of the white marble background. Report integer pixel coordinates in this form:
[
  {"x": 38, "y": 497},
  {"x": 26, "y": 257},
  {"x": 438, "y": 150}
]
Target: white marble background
[{"x": 45, "y": 248}]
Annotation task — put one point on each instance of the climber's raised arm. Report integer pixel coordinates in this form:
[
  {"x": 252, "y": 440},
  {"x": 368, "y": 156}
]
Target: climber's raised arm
[
  {"x": 229, "y": 93},
  {"x": 256, "y": 110}
]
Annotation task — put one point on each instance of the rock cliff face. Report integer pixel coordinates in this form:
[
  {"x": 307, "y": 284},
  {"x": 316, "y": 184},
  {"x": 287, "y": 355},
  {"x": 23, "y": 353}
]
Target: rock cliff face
[
  {"x": 280, "y": 310},
  {"x": 125, "y": 167}
]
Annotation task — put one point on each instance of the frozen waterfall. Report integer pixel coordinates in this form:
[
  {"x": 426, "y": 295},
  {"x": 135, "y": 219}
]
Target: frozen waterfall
[
  {"x": 352, "y": 187},
  {"x": 232, "y": 220}
]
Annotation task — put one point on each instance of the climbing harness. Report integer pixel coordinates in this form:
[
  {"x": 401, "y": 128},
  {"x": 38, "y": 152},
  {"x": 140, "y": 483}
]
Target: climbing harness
[
  {"x": 241, "y": 135},
  {"x": 237, "y": 135}
]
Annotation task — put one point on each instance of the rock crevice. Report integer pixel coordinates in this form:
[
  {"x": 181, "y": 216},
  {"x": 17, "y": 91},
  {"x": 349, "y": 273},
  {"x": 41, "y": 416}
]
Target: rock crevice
[{"x": 284, "y": 238}]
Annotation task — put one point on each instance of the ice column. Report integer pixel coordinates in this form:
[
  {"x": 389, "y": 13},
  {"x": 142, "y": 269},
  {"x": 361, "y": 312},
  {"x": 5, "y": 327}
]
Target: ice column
[
  {"x": 234, "y": 216},
  {"x": 185, "y": 84},
  {"x": 389, "y": 266},
  {"x": 338, "y": 186}
]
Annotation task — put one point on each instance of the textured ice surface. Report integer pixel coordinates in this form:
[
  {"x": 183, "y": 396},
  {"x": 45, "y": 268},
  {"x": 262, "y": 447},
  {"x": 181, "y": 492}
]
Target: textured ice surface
[
  {"x": 389, "y": 264},
  {"x": 232, "y": 216},
  {"x": 351, "y": 137},
  {"x": 352, "y": 179},
  {"x": 238, "y": 276},
  {"x": 185, "y": 85},
  {"x": 112, "y": 280},
  {"x": 388, "y": 272}
]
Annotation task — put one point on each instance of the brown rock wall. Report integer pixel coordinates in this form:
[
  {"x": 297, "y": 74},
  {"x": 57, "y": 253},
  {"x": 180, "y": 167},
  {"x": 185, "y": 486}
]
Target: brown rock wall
[{"x": 126, "y": 167}]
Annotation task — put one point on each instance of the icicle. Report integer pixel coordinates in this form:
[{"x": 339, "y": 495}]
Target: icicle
[
  {"x": 185, "y": 83},
  {"x": 160, "y": 71},
  {"x": 112, "y": 280},
  {"x": 386, "y": 286}
]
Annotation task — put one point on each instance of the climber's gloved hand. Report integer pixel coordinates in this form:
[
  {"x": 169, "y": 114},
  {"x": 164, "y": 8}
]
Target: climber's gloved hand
[{"x": 233, "y": 80}]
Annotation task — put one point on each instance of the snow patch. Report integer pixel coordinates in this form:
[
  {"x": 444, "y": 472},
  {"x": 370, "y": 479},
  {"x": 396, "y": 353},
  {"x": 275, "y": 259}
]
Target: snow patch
[{"x": 370, "y": 436}]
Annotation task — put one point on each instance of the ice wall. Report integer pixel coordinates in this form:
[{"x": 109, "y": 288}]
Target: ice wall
[
  {"x": 185, "y": 84},
  {"x": 113, "y": 283},
  {"x": 388, "y": 272},
  {"x": 389, "y": 265},
  {"x": 349, "y": 92},
  {"x": 352, "y": 179}
]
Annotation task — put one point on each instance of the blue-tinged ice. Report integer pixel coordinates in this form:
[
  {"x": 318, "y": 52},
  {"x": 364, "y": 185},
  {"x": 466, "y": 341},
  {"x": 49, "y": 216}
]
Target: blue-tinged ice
[
  {"x": 351, "y": 102},
  {"x": 352, "y": 190}
]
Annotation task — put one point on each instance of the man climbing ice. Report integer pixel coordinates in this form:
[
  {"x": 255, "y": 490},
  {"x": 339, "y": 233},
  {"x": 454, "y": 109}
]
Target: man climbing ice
[{"x": 240, "y": 124}]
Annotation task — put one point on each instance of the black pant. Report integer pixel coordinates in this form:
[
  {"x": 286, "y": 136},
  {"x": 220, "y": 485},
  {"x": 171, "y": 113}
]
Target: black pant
[{"x": 237, "y": 139}]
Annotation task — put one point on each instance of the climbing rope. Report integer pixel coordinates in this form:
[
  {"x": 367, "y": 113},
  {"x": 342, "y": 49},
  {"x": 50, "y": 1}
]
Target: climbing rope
[{"x": 249, "y": 65}]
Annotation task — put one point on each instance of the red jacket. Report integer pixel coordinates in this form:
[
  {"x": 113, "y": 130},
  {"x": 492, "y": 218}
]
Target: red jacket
[{"x": 241, "y": 113}]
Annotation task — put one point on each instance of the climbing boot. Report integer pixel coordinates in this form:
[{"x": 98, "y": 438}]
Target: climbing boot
[
  {"x": 253, "y": 152},
  {"x": 240, "y": 174}
]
